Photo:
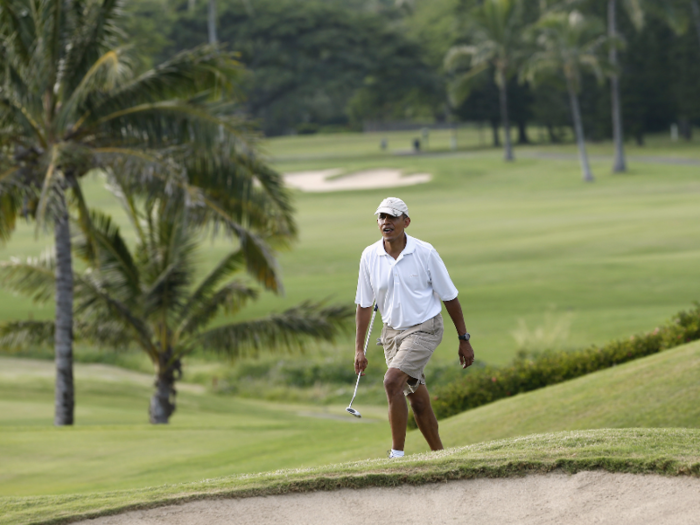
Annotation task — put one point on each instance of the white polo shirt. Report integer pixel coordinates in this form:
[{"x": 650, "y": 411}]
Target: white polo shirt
[{"x": 408, "y": 289}]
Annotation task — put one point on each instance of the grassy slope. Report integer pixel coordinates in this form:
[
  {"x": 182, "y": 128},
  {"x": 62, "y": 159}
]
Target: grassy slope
[
  {"x": 111, "y": 448},
  {"x": 657, "y": 391},
  {"x": 661, "y": 451}
]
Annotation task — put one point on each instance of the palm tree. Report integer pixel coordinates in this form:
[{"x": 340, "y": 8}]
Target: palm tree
[
  {"x": 634, "y": 9},
  {"x": 70, "y": 102},
  {"x": 566, "y": 44},
  {"x": 496, "y": 44},
  {"x": 149, "y": 297}
]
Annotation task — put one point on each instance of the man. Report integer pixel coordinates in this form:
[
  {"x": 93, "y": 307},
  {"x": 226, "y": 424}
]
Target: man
[{"x": 407, "y": 279}]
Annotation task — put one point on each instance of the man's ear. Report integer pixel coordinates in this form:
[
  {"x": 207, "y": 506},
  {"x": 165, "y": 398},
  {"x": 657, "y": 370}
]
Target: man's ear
[{"x": 406, "y": 222}]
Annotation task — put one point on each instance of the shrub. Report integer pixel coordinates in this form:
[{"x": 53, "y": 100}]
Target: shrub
[{"x": 530, "y": 371}]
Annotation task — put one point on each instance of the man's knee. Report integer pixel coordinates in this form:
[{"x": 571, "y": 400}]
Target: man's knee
[{"x": 394, "y": 381}]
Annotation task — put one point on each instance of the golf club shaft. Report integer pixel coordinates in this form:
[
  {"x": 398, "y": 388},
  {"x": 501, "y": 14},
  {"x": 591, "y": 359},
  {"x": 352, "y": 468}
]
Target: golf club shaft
[{"x": 369, "y": 334}]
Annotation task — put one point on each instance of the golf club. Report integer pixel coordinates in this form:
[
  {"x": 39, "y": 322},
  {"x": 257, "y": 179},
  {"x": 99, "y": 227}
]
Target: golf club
[{"x": 369, "y": 334}]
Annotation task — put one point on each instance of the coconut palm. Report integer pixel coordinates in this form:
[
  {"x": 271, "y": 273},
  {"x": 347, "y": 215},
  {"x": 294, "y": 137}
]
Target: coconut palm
[
  {"x": 634, "y": 9},
  {"x": 149, "y": 297},
  {"x": 566, "y": 44},
  {"x": 496, "y": 45},
  {"x": 70, "y": 102}
]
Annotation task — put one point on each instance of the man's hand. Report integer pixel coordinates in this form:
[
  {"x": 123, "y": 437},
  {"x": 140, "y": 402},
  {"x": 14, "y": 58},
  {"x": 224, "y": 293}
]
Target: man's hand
[
  {"x": 466, "y": 354},
  {"x": 360, "y": 362}
]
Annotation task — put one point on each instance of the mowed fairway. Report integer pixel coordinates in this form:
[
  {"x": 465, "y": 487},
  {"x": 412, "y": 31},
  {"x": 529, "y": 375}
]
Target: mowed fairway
[
  {"x": 522, "y": 241},
  {"x": 113, "y": 447}
]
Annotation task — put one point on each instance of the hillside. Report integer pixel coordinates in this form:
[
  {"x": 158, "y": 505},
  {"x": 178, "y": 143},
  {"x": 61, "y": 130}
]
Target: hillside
[{"x": 659, "y": 391}]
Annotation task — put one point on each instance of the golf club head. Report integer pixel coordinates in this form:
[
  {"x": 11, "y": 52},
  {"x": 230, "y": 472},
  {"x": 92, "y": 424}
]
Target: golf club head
[{"x": 353, "y": 412}]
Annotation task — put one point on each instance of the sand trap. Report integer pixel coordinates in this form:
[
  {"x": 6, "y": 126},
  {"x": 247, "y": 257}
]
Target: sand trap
[
  {"x": 318, "y": 181},
  {"x": 556, "y": 499}
]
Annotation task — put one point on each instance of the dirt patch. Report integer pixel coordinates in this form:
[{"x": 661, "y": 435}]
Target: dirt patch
[
  {"x": 328, "y": 180},
  {"x": 583, "y": 498}
]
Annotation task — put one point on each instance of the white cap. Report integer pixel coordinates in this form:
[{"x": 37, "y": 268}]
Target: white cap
[{"x": 393, "y": 206}]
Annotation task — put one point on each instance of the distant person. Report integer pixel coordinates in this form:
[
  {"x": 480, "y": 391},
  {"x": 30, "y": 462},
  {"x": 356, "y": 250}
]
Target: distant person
[
  {"x": 407, "y": 279},
  {"x": 383, "y": 144},
  {"x": 416, "y": 145}
]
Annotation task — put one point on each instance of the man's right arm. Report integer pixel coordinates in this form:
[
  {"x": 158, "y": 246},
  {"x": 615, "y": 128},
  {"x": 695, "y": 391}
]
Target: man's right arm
[{"x": 362, "y": 318}]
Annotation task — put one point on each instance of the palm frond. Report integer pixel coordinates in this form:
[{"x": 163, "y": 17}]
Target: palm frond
[
  {"x": 18, "y": 335},
  {"x": 229, "y": 265},
  {"x": 10, "y": 207},
  {"x": 107, "y": 251},
  {"x": 167, "y": 263},
  {"x": 288, "y": 330},
  {"x": 636, "y": 13},
  {"x": 94, "y": 305},
  {"x": 230, "y": 298},
  {"x": 252, "y": 194},
  {"x": 104, "y": 74},
  {"x": 50, "y": 186},
  {"x": 19, "y": 36},
  {"x": 35, "y": 277},
  {"x": 94, "y": 31}
]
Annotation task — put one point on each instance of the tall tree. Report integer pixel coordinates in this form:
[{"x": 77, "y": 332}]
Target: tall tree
[
  {"x": 567, "y": 43},
  {"x": 150, "y": 297},
  {"x": 635, "y": 12},
  {"x": 495, "y": 45},
  {"x": 70, "y": 102}
]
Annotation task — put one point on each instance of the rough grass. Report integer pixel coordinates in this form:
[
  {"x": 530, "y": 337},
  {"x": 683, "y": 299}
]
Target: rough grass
[{"x": 657, "y": 451}]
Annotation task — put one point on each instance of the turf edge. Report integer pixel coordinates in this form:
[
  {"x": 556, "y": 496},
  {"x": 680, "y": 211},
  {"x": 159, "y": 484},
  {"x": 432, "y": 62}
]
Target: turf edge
[{"x": 615, "y": 451}]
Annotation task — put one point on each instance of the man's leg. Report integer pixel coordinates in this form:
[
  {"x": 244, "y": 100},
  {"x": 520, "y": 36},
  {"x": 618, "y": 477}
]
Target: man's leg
[
  {"x": 394, "y": 382},
  {"x": 425, "y": 417}
]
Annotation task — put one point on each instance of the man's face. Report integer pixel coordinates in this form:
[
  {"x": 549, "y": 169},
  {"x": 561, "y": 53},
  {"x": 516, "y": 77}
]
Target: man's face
[{"x": 392, "y": 228}]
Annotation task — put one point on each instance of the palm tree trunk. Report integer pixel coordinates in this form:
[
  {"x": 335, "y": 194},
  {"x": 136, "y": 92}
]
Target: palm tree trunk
[
  {"x": 522, "y": 133},
  {"x": 163, "y": 400},
  {"x": 508, "y": 155},
  {"x": 212, "y": 21},
  {"x": 695, "y": 7},
  {"x": 494, "y": 133},
  {"x": 619, "y": 165},
  {"x": 65, "y": 393},
  {"x": 578, "y": 129}
]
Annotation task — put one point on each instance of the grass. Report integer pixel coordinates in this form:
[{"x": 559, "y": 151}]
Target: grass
[
  {"x": 112, "y": 446},
  {"x": 658, "y": 451},
  {"x": 522, "y": 241},
  {"x": 112, "y": 457},
  {"x": 658, "y": 391}
]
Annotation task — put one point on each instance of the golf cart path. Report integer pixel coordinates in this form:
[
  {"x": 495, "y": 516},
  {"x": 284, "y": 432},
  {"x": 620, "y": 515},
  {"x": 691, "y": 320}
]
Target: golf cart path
[{"x": 583, "y": 498}]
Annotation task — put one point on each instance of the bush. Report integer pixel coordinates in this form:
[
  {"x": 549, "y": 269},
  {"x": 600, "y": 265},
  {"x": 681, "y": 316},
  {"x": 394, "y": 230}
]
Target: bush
[{"x": 530, "y": 371}]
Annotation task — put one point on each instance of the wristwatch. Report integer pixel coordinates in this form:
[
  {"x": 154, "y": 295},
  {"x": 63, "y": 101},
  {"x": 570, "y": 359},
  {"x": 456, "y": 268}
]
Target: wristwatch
[{"x": 464, "y": 337}]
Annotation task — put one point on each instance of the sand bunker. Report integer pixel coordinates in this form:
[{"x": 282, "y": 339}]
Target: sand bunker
[
  {"x": 584, "y": 498},
  {"x": 328, "y": 180}
]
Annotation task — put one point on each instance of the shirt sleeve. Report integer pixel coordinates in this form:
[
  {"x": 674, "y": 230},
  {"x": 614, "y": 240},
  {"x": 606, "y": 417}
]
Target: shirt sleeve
[
  {"x": 442, "y": 284},
  {"x": 365, "y": 295}
]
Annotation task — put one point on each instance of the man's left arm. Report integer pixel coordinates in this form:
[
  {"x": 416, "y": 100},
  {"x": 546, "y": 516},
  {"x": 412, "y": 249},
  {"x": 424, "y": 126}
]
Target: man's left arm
[{"x": 466, "y": 352}]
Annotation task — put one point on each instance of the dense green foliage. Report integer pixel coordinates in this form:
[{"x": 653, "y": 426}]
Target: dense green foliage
[
  {"x": 532, "y": 371},
  {"x": 323, "y": 65}
]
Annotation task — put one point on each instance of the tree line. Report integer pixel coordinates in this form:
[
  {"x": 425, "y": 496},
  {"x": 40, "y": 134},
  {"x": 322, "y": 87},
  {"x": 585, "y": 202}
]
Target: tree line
[{"x": 334, "y": 64}]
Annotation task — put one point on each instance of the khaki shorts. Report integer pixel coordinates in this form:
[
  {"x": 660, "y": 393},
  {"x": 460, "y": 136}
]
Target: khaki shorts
[{"x": 410, "y": 350}]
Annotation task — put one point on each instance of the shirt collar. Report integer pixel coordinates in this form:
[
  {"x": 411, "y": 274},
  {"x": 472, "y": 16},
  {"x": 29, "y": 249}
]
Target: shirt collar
[{"x": 409, "y": 248}]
